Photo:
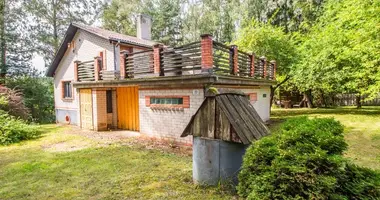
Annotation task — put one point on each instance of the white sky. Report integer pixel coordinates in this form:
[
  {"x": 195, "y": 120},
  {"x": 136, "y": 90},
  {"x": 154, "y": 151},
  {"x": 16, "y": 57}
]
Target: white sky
[{"x": 38, "y": 63}]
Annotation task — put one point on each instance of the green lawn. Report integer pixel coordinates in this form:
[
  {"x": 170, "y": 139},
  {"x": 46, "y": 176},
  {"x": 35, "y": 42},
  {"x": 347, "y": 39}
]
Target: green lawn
[
  {"x": 32, "y": 170},
  {"x": 362, "y": 130},
  {"x": 71, "y": 166}
]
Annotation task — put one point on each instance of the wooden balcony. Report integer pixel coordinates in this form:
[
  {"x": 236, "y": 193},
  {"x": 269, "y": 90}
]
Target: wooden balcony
[{"x": 202, "y": 57}]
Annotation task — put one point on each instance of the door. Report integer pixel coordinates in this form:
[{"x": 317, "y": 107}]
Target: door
[
  {"x": 128, "y": 108},
  {"x": 86, "y": 108}
]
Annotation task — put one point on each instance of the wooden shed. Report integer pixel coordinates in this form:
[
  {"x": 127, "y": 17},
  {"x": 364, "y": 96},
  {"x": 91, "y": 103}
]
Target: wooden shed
[
  {"x": 222, "y": 128},
  {"x": 228, "y": 116}
]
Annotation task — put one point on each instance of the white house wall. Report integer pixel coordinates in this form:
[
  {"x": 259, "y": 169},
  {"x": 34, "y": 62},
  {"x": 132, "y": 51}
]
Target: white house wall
[
  {"x": 87, "y": 46},
  {"x": 262, "y": 105}
]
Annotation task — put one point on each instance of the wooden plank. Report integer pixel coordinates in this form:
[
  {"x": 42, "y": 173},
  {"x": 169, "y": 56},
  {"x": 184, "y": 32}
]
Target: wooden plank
[
  {"x": 211, "y": 118},
  {"x": 197, "y": 125},
  {"x": 253, "y": 132},
  {"x": 260, "y": 125},
  {"x": 232, "y": 115}
]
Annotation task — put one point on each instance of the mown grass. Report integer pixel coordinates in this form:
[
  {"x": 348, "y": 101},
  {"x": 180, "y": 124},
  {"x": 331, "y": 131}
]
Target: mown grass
[
  {"x": 362, "y": 130},
  {"x": 28, "y": 171}
]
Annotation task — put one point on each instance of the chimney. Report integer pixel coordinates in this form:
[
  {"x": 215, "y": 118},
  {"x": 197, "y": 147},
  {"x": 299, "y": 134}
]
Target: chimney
[{"x": 144, "y": 26}]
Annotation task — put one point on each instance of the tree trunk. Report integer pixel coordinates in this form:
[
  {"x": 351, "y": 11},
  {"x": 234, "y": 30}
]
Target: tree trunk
[
  {"x": 3, "y": 68},
  {"x": 309, "y": 99},
  {"x": 323, "y": 99},
  {"x": 358, "y": 101},
  {"x": 273, "y": 89}
]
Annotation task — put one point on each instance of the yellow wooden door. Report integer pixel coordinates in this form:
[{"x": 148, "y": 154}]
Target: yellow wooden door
[
  {"x": 86, "y": 108},
  {"x": 128, "y": 108}
]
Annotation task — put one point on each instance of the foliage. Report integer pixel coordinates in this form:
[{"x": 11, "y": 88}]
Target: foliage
[
  {"x": 296, "y": 15},
  {"x": 341, "y": 54},
  {"x": 273, "y": 42},
  {"x": 166, "y": 20},
  {"x": 38, "y": 96},
  {"x": 13, "y": 130},
  {"x": 11, "y": 101},
  {"x": 208, "y": 16},
  {"x": 120, "y": 16},
  {"x": 48, "y": 21},
  {"x": 15, "y": 43},
  {"x": 304, "y": 161}
]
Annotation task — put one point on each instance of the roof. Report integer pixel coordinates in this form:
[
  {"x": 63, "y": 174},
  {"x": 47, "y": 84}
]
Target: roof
[
  {"x": 225, "y": 114},
  {"x": 106, "y": 34}
]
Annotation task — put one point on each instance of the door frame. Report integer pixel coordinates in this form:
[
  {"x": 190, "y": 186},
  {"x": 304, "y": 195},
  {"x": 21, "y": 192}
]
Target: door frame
[{"x": 92, "y": 108}]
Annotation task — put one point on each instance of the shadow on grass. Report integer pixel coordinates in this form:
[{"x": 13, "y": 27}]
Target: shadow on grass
[{"x": 335, "y": 111}]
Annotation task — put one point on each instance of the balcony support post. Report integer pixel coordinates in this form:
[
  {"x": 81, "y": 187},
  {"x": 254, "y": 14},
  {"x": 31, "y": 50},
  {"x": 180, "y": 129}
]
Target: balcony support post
[
  {"x": 234, "y": 59},
  {"x": 76, "y": 63},
  {"x": 252, "y": 58},
  {"x": 207, "y": 60},
  {"x": 274, "y": 65},
  {"x": 123, "y": 57},
  {"x": 97, "y": 67},
  {"x": 157, "y": 58}
]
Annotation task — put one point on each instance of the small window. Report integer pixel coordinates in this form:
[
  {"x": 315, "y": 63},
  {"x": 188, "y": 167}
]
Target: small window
[
  {"x": 67, "y": 90},
  {"x": 252, "y": 97},
  {"x": 173, "y": 101},
  {"x": 109, "y": 101}
]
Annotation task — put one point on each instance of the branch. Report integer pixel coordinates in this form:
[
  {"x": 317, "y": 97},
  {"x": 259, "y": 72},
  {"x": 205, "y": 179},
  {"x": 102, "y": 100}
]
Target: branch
[{"x": 282, "y": 82}]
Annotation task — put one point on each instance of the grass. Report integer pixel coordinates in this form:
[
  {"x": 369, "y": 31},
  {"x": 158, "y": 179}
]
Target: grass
[
  {"x": 362, "y": 130},
  {"x": 29, "y": 171},
  {"x": 36, "y": 170}
]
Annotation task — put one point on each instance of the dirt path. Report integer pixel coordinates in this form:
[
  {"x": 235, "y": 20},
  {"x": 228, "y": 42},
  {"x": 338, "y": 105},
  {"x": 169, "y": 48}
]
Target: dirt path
[{"x": 90, "y": 138}]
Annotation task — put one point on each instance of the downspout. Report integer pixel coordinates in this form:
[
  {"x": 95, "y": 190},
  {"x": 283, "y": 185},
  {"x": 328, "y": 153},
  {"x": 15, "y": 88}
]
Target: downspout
[{"x": 114, "y": 55}]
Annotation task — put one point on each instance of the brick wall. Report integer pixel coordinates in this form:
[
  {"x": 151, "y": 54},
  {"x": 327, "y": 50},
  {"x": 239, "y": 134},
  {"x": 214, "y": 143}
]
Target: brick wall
[
  {"x": 168, "y": 123},
  {"x": 99, "y": 105}
]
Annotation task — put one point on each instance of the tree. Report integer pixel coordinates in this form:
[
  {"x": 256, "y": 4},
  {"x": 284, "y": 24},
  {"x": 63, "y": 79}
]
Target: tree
[
  {"x": 38, "y": 96},
  {"x": 2, "y": 39},
  {"x": 274, "y": 43},
  {"x": 120, "y": 16},
  {"x": 293, "y": 15},
  {"x": 167, "y": 22},
  {"x": 342, "y": 53},
  {"x": 52, "y": 17},
  {"x": 16, "y": 48},
  {"x": 208, "y": 16}
]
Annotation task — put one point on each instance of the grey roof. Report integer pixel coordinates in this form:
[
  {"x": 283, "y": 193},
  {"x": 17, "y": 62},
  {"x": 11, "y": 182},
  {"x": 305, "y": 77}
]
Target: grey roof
[
  {"x": 236, "y": 110},
  {"x": 106, "y": 34}
]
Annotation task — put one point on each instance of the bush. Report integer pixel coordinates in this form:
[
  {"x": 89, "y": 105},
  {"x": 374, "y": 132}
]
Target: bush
[
  {"x": 13, "y": 130},
  {"x": 12, "y": 101},
  {"x": 304, "y": 161},
  {"x": 38, "y": 96}
]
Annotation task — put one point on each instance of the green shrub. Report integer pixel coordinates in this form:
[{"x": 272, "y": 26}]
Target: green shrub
[
  {"x": 13, "y": 130},
  {"x": 304, "y": 161}
]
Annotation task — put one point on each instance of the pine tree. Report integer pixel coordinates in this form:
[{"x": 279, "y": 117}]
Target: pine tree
[{"x": 52, "y": 18}]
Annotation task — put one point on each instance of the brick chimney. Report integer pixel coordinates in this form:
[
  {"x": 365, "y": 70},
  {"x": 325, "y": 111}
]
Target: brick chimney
[{"x": 144, "y": 27}]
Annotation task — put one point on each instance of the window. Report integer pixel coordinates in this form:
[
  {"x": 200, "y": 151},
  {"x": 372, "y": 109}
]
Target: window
[
  {"x": 167, "y": 101},
  {"x": 252, "y": 97},
  {"x": 109, "y": 101},
  {"x": 67, "y": 90},
  {"x": 174, "y": 101}
]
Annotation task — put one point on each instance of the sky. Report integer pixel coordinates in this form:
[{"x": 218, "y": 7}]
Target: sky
[{"x": 38, "y": 63}]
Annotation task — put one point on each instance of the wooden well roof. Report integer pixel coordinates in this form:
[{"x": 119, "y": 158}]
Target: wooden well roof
[{"x": 229, "y": 117}]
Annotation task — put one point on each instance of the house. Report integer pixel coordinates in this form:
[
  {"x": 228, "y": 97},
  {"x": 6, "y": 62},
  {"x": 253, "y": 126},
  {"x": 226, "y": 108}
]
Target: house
[{"x": 106, "y": 80}]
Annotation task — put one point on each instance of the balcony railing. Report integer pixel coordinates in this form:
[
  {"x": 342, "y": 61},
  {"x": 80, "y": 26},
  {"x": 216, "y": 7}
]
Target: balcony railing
[{"x": 205, "y": 56}]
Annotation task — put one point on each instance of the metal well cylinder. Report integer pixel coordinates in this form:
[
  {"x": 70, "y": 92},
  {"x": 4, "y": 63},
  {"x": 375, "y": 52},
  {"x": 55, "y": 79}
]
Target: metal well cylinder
[{"x": 216, "y": 160}]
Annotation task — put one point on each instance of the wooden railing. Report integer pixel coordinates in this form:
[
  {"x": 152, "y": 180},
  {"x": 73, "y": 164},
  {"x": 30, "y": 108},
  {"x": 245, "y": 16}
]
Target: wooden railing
[
  {"x": 205, "y": 56},
  {"x": 88, "y": 70},
  {"x": 139, "y": 64},
  {"x": 182, "y": 60}
]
